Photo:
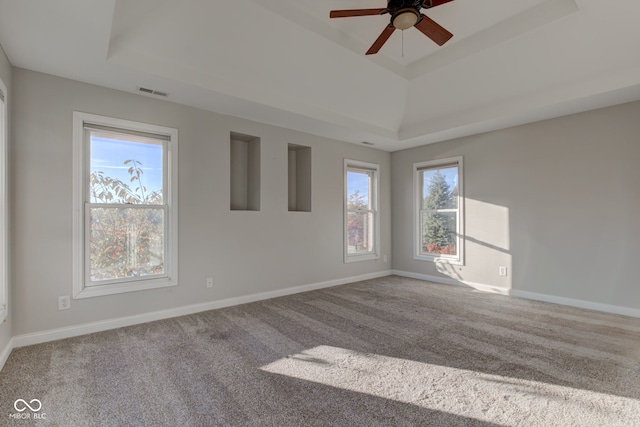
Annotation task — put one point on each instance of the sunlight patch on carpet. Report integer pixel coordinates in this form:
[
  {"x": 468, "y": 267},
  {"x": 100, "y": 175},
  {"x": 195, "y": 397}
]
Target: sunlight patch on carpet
[{"x": 492, "y": 398}]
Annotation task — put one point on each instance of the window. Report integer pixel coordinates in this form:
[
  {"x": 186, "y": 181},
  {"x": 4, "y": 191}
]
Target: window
[
  {"x": 439, "y": 215},
  {"x": 125, "y": 206},
  {"x": 361, "y": 229},
  {"x": 4, "y": 199}
]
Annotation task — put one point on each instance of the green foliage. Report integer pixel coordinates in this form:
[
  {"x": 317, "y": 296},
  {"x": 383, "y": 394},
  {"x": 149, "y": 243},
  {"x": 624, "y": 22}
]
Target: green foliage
[
  {"x": 438, "y": 231},
  {"x": 105, "y": 189},
  {"x": 125, "y": 241},
  {"x": 439, "y": 193}
]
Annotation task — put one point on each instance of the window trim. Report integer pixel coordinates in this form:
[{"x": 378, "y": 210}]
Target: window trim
[
  {"x": 80, "y": 185},
  {"x": 375, "y": 168},
  {"x": 417, "y": 209},
  {"x": 4, "y": 210}
]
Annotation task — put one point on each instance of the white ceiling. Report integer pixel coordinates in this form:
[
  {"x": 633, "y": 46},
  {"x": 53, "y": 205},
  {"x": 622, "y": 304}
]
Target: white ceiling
[{"x": 284, "y": 62}]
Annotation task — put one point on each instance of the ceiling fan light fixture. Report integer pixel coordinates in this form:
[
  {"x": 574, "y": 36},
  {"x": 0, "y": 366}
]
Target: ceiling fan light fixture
[
  {"x": 404, "y": 15},
  {"x": 405, "y": 19}
]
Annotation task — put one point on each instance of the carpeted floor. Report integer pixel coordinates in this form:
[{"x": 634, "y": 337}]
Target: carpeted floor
[{"x": 389, "y": 351}]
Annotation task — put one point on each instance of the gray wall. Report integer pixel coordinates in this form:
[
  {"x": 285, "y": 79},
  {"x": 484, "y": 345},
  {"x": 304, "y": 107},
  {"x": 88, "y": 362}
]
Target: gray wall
[
  {"x": 555, "y": 201},
  {"x": 5, "y": 75},
  {"x": 245, "y": 252}
]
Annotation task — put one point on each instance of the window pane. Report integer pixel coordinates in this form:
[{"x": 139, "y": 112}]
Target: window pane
[
  {"x": 358, "y": 189},
  {"x": 125, "y": 169},
  {"x": 440, "y": 188},
  {"x": 359, "y": 233},
  {"x": 439, "y": 233},
  {"x": 126, "y": 242}
]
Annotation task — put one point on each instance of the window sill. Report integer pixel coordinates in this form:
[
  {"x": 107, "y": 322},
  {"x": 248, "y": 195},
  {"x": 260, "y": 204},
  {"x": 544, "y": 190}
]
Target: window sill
[
  {"x": 438, "y": 260},
  {"x": 356, "y": 258},
  {"x": 119, "y": 288}
]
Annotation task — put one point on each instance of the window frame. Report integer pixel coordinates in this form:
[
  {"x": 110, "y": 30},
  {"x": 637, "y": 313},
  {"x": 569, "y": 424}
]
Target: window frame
[
  {"x": 82, "y": 205},
  {"x": 418, "y": 186},
  {"x": 4, "y": 206},
  {"x": 374, "y": 203}
]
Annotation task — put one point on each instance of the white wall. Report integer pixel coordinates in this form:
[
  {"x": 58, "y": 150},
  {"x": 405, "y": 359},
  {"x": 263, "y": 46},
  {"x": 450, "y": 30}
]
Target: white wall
[
  {"x": 245, "y": 252},
  {"x": 5, "y": 75},
  {"x": 557, "y": 202}
]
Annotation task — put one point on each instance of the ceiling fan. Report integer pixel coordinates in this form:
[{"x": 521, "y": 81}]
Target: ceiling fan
[{"x": 404, "y": 14}]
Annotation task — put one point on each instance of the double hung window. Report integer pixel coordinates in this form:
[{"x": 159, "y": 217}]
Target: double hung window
[
  {"x": 126, "y": 206},
  {"x": 439, "y": 211},
  {"x": 361, "y": 224}
]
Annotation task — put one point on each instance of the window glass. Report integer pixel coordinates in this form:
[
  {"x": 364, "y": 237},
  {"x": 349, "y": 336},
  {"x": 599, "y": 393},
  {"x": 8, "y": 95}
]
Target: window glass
[
  {"x": 125, "y": 242},
  {"x": 360, "y": 211},
  {"x": 359, "y": 215},
  {"x": 358, "y": 188},
  {"x": 440, "y": 188},
  {"x": 125, "y": 169},
  {"x": 439, "y": 216}
]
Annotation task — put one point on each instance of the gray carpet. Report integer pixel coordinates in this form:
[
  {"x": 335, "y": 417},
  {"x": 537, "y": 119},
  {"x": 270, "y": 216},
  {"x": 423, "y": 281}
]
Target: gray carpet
[{"x": 390, "y": 352}]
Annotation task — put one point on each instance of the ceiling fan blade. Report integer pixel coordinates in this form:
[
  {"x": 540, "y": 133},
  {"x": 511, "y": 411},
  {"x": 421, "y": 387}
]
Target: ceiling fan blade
[
  {"x": 433, "y": 30},
  {"x": 428, "y": 4},
  {"x": 382, "y": 39},
  {"x": 357, "y": 12}
]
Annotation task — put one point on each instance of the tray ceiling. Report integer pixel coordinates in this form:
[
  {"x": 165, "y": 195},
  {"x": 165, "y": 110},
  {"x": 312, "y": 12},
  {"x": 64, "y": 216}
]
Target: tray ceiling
[{"x": 286, "y": 63}]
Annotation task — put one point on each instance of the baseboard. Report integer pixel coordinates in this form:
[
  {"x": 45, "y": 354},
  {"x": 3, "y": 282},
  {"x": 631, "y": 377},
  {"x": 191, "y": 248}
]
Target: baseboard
[
  {"x": 89, "y": 328},
  {"x": 571, "y": 302},
  {"x": 454, "y": 282},
  {"x": 6, "y": 351},
  {"x": 606, "y": 308}
]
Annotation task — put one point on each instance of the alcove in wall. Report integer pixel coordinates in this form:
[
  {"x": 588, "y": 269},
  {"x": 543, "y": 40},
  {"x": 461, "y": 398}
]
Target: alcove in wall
[
  {"x": 299, "y": 178},
  {"x": 245, "y": 172}
]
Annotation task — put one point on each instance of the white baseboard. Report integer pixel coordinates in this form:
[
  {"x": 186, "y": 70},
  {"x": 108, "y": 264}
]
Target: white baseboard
[
  {"x": 606, "y": 308},
  {"x": 571, "y": 302},
  {"x": 454, "y": 282},
  {"x": 89, "y": 328},
  {"x": 6, "y": 351}
]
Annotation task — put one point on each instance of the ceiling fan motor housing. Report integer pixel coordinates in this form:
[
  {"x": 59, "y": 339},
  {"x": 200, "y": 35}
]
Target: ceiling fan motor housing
[
  {"x": 405, "y": 13},
  {"x": 396, "y": 5}
]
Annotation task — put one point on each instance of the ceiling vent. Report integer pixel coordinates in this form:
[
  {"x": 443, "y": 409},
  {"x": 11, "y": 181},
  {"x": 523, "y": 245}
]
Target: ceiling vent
[{"x": 153, "y": 92}]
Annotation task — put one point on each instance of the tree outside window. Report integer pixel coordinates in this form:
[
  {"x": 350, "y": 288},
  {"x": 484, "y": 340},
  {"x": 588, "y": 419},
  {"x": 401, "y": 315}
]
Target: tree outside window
[{"x": 439, "y": 210}]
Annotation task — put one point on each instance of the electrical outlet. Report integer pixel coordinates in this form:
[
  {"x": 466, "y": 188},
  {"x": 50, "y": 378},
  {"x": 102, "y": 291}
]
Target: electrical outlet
[
  {"x": 64, "y": 303},
  {"x": 502, "y": 271},
  {"x": 209, "y": 282}
]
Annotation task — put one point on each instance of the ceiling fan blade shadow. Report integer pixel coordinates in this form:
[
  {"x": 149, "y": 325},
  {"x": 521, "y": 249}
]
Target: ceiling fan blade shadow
[
  {"x": 433, "y": 30},
  {"x": 382, "y": 39},
  {"x": 357, "y": 12}
]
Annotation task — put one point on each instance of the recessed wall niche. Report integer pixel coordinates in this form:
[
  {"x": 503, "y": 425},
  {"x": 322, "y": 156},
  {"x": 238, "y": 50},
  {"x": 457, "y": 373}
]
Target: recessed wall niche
[
  {"x": 245, "y": 172},
  {"x": 299, "y": 178}
]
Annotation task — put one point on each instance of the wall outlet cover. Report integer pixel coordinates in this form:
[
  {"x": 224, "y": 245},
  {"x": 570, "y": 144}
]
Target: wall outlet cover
[{"x": 64, "y": 303}]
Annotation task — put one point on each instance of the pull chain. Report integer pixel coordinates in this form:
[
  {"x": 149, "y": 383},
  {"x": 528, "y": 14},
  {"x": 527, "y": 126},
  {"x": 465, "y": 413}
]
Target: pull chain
[{"x": 403, "y": 43}]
